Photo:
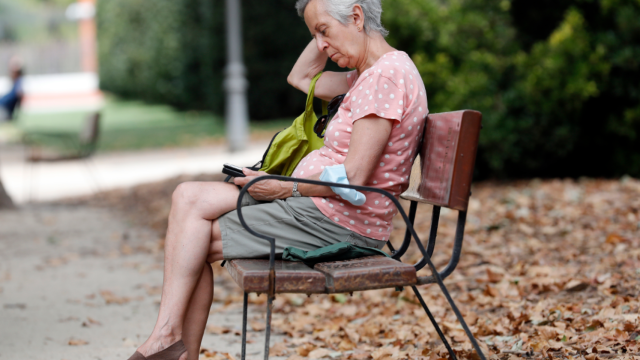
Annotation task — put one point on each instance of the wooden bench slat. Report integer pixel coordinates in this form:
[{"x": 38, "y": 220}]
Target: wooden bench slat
[
  {"x": 252, "y": 275},
  {"x": 371, "y": 272},
  {"x": 447, "y": 160}
]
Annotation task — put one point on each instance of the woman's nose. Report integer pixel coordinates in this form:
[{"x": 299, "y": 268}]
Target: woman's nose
[{"x": 322, "y": 45}]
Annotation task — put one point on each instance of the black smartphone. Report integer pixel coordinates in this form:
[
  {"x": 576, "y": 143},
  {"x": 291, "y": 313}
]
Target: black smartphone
[{"x": 232, "y": 170}]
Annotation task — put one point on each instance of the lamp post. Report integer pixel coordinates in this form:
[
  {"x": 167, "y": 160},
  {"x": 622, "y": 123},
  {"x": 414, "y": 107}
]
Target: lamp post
[
  {"x": 83, "y": 11},
  {"x": 235, "y": 83}
]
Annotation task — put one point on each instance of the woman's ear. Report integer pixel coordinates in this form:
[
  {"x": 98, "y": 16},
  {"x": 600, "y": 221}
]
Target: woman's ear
[{"x": 358, "y": 17}]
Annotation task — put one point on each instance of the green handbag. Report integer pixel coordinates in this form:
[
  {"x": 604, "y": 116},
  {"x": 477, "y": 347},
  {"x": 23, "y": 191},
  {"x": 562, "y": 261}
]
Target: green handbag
[
  {"x": 335, "y": 252},
  {"x": 292, "y": 144}
]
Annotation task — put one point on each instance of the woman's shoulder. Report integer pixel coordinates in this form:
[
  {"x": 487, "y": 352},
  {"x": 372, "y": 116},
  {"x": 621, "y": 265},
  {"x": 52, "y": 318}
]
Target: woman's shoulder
[{"x": 396, "y": 67}]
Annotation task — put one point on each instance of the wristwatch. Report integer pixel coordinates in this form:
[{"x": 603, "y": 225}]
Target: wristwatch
[{"x": 295, "y": 192}]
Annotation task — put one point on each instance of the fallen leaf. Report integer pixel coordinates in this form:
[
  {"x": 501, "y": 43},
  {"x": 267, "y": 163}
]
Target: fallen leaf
[
  {"x": 77, "y": 342},
  {"x": 305, "y": 349},
  {"x": 615, "y": 239},
  {"x": 110, "y": 298},
  {"x": 385, "y": 353},
  {"x": 576, "y": 285},
  {"x": 318, "y": 353},
  {"x": 258, "y": 325},
  {"x": 90, "y": 321},
  {"x": 279, "y": 349},
  {"x": 218, "y": 330},
  {"x": 494, "y": 277},
  {"x": 491, "y": 291},
  {"x": 153, "y": 290}
]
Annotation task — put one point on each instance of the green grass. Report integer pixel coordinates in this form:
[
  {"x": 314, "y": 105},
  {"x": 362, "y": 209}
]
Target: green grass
[{"x": 130, "y": 125}]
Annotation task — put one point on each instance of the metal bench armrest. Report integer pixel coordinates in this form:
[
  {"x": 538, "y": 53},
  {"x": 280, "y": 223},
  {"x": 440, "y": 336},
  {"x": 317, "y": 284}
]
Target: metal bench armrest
[
  {"x": 455, "y": 255},
  {"x": 385, "y": 193}
]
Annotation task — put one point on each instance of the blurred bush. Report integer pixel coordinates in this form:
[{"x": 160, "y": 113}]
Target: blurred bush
[
  {"x": 173, "y": 52},
  {"x": 162, "y": 51},
  {"x": 558, "y": 81}
]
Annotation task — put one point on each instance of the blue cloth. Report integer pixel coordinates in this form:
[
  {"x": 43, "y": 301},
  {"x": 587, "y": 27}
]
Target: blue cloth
[
  {"x": 338, "y": 174},
  {"x": 10, "y": 100}
]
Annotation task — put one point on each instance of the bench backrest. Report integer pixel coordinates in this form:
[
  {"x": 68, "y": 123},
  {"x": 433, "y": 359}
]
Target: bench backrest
[{"x": 447, "y": 159}]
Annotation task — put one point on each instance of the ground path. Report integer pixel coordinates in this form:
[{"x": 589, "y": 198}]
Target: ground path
[
  {"x": 549, "y": 269},
  {"x": 46, "y": 181},
  {"x": 80, "y": 282}
]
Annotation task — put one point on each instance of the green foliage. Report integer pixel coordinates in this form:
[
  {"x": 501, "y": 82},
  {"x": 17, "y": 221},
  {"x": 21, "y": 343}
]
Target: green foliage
[
  {"x": 558, "y": 88},
  {"x": 173, "y": 52},
  {"x": 557, "y": 81},
  {"x": 162, "y": 51}
]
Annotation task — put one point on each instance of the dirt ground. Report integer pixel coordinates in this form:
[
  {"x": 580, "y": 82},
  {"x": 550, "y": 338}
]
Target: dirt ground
[
  {"x": 549, "y": 269},
  {"x": 83, "y": 282}
]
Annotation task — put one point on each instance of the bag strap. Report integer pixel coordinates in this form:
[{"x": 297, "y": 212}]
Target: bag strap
[{"x": 310, "y": 94}]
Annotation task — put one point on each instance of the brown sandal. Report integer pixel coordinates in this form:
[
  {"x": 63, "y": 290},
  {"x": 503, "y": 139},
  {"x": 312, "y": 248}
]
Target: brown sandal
[{"x": 173, "y": 352}]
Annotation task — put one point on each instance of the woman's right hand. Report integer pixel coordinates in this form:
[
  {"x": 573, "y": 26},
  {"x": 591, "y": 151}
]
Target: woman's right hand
[
  {"x": 309, "y": 64},
  {"x": 266, "y": 190}
]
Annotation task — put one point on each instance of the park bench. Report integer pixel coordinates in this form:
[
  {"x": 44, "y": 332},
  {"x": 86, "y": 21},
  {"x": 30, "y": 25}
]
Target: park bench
[
  {"x": 81, "y": 144},
  {"x": 447, "y": 159}
]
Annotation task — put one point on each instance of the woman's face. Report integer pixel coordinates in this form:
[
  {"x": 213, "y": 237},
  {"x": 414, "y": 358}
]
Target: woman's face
[{"x": 342, "y": 43}]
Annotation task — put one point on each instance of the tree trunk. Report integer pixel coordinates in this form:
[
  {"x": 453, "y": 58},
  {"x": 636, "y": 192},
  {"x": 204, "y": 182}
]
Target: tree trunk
[{"x": 5, "y": 200}]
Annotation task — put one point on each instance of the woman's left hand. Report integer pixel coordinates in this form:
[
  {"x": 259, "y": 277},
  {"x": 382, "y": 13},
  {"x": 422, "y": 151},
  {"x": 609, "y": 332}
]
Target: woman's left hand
[{"x": 266, "y": 190}]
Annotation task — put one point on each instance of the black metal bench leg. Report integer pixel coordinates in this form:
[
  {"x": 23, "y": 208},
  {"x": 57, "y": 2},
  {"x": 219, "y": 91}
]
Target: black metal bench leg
[
  {"x": 435, "y": 324},
  {"x": 244, "y": 325},
  {"x": 268, "y": 334},
  {"x": 444, "y": 290}
]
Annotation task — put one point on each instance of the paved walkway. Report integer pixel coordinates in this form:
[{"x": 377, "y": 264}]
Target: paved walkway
[
  {"x": 84, "y": 283},
  {"x": 46, "y": 181}
]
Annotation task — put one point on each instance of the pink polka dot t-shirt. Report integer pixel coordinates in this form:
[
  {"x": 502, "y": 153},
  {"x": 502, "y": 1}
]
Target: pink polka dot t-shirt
[{"x": 391, "y": 89}]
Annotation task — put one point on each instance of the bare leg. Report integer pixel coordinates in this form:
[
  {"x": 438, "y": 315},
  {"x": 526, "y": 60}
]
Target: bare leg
[
  {"x": 187, "y": 247},
  {"x": 197, "y": 313}
]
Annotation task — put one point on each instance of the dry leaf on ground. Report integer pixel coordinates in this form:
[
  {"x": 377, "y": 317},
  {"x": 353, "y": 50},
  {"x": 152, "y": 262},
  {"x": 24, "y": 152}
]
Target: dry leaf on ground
[
  {"x": 77, "y": 342},
  {"x": 549, "y": 268},
  {"x": 111, "y": 298}
]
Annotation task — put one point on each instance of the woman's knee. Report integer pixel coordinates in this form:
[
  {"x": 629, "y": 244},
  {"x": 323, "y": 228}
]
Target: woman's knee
[
  {"x": 186, "y": 194},
  {"x": 206, "y": 200}
]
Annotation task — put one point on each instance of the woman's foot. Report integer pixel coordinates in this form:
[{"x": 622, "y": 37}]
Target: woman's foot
[{"x": 163, "y": 349}]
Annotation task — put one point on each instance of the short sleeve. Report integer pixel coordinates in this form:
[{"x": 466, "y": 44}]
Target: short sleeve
[
  {"x": 376, "y": 95},
  {"x": 352, "y": 76}
]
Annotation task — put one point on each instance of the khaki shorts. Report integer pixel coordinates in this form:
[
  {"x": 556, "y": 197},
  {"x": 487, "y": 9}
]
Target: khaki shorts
[{"x": 295, "y": 222}]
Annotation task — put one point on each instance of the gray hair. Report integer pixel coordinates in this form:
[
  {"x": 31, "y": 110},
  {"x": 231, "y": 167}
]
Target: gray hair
[{"x": 342, "y": 9}]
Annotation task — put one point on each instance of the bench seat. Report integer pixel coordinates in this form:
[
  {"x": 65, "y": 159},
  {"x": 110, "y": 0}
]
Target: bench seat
[
  {"x": 371, "y": 272},
  {"x": 252, "y": 275},
  {"x": 366, "y": 273}
]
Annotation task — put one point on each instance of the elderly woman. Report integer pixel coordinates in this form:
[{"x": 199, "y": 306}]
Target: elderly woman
[{"x": 374, "y": 134}]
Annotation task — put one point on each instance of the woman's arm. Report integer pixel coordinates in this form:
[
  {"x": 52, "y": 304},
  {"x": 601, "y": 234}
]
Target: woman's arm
[
  {"x": 368, "y": 140},
  {"x": 273, "y": 189},
  {"x": 309, "y": 64}
]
